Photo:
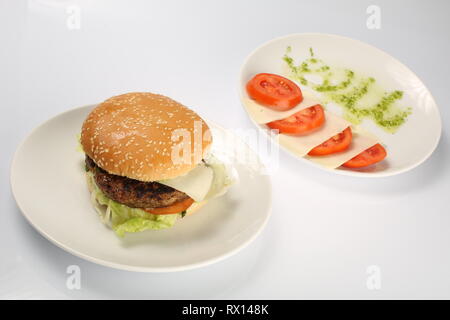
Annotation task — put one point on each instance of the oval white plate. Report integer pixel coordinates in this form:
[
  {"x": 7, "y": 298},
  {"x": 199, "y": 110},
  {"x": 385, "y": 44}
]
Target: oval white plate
[
  {"x": 413, "y": 143},
  {"x": 48, "y": 183}
]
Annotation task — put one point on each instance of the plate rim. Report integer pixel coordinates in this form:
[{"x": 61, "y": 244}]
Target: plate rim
[
  {"x": 120, "y": 266},
  {"x": 350, "y": 173}
]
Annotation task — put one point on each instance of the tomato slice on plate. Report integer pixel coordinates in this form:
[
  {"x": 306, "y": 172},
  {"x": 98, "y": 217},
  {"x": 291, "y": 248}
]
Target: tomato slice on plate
[
  {"x": 177, "y": 207},
  {"x": 366, "y": 158},
  {"x": 337, "y": 143},
  {"x": 274, "y": 91},
  {"x": 302, "y": 122}
]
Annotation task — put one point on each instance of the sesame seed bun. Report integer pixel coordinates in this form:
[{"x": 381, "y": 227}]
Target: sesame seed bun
[{"x": 145, "y": 136}]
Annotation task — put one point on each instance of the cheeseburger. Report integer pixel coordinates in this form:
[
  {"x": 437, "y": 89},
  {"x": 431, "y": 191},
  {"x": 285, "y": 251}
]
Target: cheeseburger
[{"x": 148, "y": 162}]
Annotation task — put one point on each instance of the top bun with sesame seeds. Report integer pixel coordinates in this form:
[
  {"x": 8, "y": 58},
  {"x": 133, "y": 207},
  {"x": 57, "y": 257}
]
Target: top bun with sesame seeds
[{"x": 145, "y": 136}]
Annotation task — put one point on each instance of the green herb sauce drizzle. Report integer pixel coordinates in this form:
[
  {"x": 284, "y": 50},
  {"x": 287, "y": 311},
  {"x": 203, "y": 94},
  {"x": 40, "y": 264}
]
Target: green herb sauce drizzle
[{"x": 359, "y": 96}]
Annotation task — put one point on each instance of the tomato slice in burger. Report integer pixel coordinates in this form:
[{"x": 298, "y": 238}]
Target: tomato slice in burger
[
  {"x": 302, "y": 122},
  {"x": 274, "y": 91},
  {"x": 337, "y": 143},
  {"x": 366, "y": 158},
  {"x": 177, "y": 207}
]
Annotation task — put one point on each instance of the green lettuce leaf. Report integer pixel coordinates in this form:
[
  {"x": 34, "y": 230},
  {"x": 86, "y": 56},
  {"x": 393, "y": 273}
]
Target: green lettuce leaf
[
  {"x": 223, "y": 177},
  {"x": 142, "y": 224},
  {"x": 125, "y": 219}
]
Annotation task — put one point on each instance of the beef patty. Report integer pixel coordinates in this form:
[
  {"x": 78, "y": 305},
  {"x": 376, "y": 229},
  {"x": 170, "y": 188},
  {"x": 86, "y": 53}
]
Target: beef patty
[{"x": 134, "y": 193}]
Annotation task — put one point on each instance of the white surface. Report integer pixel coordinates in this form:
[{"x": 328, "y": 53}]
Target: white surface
[
  {"x": 409, "y": 147},
  {"x": 325, "y": 230},
  {"x": 56, "y": 201}
]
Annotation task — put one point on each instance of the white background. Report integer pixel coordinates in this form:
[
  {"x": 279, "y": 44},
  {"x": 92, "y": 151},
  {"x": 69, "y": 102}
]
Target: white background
[{"x": 325, "y": 230}]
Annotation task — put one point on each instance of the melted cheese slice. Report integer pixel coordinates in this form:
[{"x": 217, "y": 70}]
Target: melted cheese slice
[
  {"x": 301, "y": 145},
  {"x": 205, "y": 181},
  {"x": 196, "y": 183},
  {"x": 361, "y": 141},
  {"x": 262, "y": 114}
]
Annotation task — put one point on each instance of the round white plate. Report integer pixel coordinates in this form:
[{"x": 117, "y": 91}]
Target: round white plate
[
  {"x": 48, "y": 183},
  {"x": 414, "y": 141}
]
